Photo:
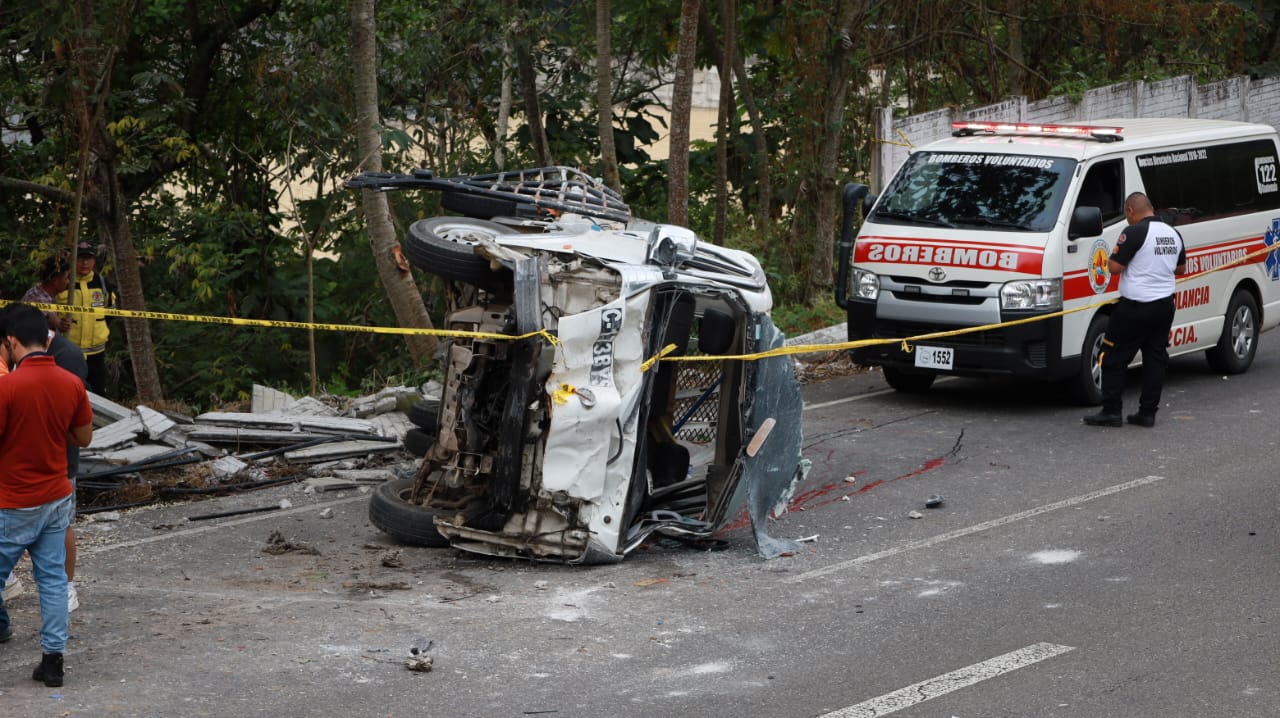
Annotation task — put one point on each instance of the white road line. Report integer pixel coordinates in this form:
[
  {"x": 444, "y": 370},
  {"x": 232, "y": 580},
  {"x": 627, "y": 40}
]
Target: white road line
[
  {"x": 847, "y": 399},
  {"x": 948, "y": 682},
  {"x": 976, "y": 528},
  {"x": 221, "y": 525},
  {"x": 868, "y": 395}
]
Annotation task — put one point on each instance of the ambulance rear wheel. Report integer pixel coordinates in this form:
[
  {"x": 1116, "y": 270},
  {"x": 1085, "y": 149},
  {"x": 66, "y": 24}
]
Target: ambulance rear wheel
[
  {"x": 908, "y": 382},
  {"x": 1086, "y": 388},
  {"x": 1239, "y": 340}
]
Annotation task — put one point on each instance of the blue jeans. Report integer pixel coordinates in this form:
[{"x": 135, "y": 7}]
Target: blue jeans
[{"x": 41, "y": 530}]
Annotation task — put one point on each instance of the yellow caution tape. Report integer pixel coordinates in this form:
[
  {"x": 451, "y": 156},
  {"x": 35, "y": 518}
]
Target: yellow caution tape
[
  {"x": 906, "y": 343},
  {"x": 552, "y": 339},
  {"x": 277, "y": 324}
]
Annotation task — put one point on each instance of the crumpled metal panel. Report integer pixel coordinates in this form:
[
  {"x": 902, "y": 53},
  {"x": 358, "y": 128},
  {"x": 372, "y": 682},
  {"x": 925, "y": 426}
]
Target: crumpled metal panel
[{"x": 770, "y": 477}]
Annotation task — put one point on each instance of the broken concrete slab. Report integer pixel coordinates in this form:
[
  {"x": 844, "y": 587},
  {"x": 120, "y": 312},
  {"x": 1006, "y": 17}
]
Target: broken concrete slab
[
  {"x": 385, "y": 400},
  {"x": 341, "y": 449},
  {"x": 249, "y": 435},
  {"x": 394, "y": 423},
  {"x": 155, "y": 423},
  {"x": 266, "y": 400},
  {"x": 227, "y": 467},
  {"x": 310, "y": 406},
  {"x": 106, "y": 411},
  {"x": 322, "y": 424},
  {"x": 118, "y": 433}
]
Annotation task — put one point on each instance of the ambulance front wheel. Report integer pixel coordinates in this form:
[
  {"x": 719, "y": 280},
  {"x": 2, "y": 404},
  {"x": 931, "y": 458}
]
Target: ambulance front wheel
[
  {"x": 908, "y": 382},
  {"x": 1239, "y": 340},
  {"x": 1086, "y": 388}
]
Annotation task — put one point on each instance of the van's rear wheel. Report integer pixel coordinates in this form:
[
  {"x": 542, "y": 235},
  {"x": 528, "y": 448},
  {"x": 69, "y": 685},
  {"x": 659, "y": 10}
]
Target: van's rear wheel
[
  {"x": 1239, "y": 340},
  {"x": 1086, "y": 387},
  {"x": 908, "y": 382}
]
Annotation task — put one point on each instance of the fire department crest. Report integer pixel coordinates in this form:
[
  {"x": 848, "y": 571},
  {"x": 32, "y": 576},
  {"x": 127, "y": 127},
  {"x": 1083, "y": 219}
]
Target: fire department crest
[{"x": 1099, "y": 273}]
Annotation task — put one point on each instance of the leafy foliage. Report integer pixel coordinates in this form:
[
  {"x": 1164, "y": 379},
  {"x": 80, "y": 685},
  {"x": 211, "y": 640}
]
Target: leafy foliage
[{"x": 232, "y": 127}]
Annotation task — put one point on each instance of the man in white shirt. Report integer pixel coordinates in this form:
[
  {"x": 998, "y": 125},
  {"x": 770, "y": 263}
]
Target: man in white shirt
[{"x": 1148, "y": 255}]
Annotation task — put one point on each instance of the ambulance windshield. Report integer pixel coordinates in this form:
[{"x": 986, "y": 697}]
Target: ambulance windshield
[{"x": 1016, "y": 193}]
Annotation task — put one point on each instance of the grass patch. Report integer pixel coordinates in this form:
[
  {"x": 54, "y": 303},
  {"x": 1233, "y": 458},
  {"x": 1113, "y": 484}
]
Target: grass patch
[{"x": 797, "y": 319}]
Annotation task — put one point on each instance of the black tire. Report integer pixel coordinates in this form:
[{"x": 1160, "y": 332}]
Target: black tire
[
  {"x": 477, "y": 205},
  {"x": 418, "y": 441},
  {"x": 446, "y": 247},
  {"x": 1086, "y": 388},
  {"x": 425, "y": 415},
  {"x": 907, "y": 381},
  {"x": 391, "y": 512},
  {"x": 1239, "y": 341}
]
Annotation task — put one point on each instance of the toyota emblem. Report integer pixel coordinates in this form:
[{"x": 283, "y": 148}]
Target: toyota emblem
[{"x": 936, "y": 274}]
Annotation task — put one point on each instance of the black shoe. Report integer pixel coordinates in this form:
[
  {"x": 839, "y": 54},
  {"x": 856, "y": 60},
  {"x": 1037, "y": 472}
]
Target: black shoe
[
  {"x": 1102, "y": 418},
  {"x": 1141, "y": 420},
  {"x": 6, "y": 633},
  {"x": 49, "y": 670}
]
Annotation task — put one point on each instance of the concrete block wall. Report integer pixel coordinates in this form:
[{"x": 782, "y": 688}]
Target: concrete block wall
[{"x": 1238, "y": 99}]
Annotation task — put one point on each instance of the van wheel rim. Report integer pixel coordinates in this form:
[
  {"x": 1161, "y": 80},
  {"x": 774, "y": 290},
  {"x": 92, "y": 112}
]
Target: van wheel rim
[{"x": 1242, "y": 332}]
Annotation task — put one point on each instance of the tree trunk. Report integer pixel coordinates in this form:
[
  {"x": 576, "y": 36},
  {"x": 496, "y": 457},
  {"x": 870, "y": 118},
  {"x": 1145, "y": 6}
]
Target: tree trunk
[
  {"x": 528, "y": 85},
  {"x": 681, "y": 108},
  {"x": 504, "y": 105},
  {"x": 726, "y": 119},
  {"x": 604, "y": 95},
  {"x": 114, "y": 229},
  {"x": 402, "y": 291},
  {"x": 820, "y": 278},
  {"x": 1017, "y": 60},
  {"x": 108, "y": 206}
]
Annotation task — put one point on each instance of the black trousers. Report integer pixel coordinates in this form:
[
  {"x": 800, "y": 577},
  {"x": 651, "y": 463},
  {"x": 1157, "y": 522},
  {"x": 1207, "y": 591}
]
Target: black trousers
[
  {"x": 1134, "y": 327},
  {"x": 97, "y": 379}
]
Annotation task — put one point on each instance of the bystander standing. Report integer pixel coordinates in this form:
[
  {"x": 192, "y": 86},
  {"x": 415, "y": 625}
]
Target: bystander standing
[
  {"x": 42, "y": 407},
  {"x": 89, "y": 331},
  {"x": 55, "y": 275}
]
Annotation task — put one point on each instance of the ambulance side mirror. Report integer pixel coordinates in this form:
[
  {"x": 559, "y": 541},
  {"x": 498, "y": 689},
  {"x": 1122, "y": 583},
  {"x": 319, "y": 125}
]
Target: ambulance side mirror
[{"x": 1085, "y": 222}]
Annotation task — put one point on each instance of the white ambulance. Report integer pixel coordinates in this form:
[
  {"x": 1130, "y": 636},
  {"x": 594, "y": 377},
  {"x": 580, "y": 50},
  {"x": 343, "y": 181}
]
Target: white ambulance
[{"x": 1004, "y": 222}]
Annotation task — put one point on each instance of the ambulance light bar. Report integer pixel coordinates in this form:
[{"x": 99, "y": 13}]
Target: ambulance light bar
[{"x": 1104, "y": 134}]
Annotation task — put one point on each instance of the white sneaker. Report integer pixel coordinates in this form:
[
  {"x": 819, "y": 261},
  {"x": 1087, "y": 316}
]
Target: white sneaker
[
  {"x": 73, "y": 599},
  {"x": 12, "y": 587}
]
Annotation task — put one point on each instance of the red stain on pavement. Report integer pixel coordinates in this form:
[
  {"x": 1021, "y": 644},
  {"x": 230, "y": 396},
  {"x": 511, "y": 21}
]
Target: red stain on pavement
[{"x": 832, "y": 492}]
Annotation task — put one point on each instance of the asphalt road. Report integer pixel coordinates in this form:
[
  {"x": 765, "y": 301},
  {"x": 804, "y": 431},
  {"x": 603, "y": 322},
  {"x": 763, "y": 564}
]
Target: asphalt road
[{"x": 1071, "y": 571}]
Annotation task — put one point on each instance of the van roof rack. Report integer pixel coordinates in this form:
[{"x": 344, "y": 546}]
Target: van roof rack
[
  {"x": 1102, "y": 134},
  {"x": 560, "y": 189}
]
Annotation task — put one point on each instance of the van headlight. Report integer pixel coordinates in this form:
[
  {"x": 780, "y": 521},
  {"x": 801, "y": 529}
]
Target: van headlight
[
  {"x": 1045, "y": 294},
  {"x": 866, "y": 285}
]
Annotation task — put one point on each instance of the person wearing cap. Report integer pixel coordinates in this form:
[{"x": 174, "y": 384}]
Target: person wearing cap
[
  {"x": 90, "y": 331},
  {"x": 55, "y": 276}
]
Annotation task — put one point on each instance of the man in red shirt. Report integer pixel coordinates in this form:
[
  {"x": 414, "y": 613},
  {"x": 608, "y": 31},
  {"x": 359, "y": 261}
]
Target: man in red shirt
[{"x": 42, "y": 408}]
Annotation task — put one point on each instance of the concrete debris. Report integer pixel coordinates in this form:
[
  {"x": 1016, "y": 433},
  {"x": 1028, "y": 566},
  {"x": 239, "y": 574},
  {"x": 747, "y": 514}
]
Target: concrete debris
[
  {"x": 933, "y": 501},
  {"x": 326, "y": 513},
  {"x": 915, "y": 515},
  {"x": 358, "y": 441},
  {"x": 419, "y": 664},
  {"x": 107, "y": 516},
  {"x": 227, "y": 467},
  {"x": 277, "y": 544}
]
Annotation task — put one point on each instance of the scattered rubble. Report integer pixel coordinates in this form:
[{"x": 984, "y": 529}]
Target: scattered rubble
[
  {"x": 141, "y": 455},
  {"x": 277, "y": 544}
]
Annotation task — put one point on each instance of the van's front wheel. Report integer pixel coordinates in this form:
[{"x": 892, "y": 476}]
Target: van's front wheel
[
  {"x": 1239, "y": 340},
  {"x": 908, "y": 382},
  {"x": 1086, "y": 387}
]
